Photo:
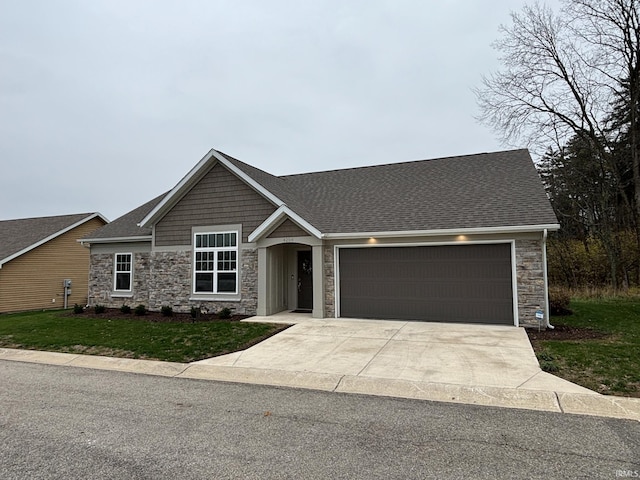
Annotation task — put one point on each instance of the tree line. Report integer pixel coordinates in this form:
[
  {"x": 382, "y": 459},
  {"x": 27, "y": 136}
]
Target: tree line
[{"x": 569, "y": 87}]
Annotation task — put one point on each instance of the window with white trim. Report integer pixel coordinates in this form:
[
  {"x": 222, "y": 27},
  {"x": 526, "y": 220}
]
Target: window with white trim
[
  {"x": 123, "y": 272},
  {"x": 215, "y": 263}
]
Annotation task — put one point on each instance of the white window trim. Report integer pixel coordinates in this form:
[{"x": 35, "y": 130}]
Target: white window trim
[
  {"x": 115, "y": 273},
  {"x": 215, "y": 294}
]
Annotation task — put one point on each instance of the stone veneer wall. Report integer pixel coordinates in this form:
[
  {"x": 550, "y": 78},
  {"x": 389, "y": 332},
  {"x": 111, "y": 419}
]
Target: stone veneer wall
[
  {"x": 100, "y": 278},
  {"x": 101, "y": 281},
  {"x": 531, "y": 294},
  {"x": 164, "y": 278},
  {"x": 249, "y": 280},
  {"x": 170, "y": 282},
  {"x": 329, "y": 282}
]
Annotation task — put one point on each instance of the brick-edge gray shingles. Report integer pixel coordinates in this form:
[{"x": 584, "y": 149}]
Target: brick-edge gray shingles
[
  {"x": 19, "y": 234},
  {"x": 500, "y": 189}
]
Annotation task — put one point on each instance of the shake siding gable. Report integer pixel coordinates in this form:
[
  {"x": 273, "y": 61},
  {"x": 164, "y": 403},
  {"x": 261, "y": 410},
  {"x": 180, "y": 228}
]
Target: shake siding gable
[
  {"x": 288, "y": 229},
  {"x": 219, "y": 198},
  {"x": 33, "y": 280}
]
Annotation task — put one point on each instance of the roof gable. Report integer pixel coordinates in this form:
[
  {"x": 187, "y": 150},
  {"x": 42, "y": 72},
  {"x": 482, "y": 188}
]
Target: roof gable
[
  {"x": 488, "y": 192},
  {"x": 194, "y": 176},
  {"x": 277, "y": 217},
  {"x": 287, "y": 228},
  {"x": 20, "y": 236},
  {"x": 219, "y": 198}
]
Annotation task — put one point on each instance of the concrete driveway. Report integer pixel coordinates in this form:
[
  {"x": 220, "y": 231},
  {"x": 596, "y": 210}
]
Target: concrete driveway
[
  {"x": 474, "y": 364},
  {"x": 459, "y": 354}
]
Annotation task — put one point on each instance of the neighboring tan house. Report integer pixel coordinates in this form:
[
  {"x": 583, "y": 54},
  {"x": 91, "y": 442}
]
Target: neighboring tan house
[
  {"x": 38, "y": 254},
  {"x": 458, "y": 239}
]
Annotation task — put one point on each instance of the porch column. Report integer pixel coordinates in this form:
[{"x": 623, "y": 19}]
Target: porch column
[
  {"x": 262, "y": 282},
  {"x": 317, "y": 262}
]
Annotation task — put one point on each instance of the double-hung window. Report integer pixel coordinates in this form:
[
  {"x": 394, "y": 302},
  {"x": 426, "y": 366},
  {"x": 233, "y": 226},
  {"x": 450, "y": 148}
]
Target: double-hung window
[
  {"x": 216, "y": 263},
  {"x": 123, "y": 272}
]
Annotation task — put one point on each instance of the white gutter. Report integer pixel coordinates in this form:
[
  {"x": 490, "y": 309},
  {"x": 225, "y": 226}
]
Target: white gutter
[
  {"x": 146, "y": 238},
  {"x": 546, "y": 280},
  {"x": 448, "y": 231}
]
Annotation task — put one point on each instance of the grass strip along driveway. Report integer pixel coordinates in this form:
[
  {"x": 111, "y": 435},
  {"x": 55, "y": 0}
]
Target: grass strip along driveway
[
  {"x": 58, "y": 331},
  {"x": 598, "y": 346}
]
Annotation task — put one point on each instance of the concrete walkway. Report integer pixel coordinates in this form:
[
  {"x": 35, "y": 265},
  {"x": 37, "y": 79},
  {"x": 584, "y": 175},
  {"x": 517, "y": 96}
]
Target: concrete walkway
[{"x": 475, "y": 364}]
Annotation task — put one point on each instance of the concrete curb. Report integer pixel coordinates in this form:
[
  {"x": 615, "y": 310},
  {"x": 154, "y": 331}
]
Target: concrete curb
[
  {"x": 277, "y": 378},
  {"x": 524, "y": 398},
  {"x": 444, "y": 392}
]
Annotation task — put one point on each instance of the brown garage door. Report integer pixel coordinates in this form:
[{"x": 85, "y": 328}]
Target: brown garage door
[{"x": 448, "y": 283}]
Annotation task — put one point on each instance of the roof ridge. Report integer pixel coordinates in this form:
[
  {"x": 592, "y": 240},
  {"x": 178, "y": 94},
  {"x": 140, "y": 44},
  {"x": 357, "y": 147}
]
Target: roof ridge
[
  {"x": 83, "y": 214},
  {"x": 405, "y": 162}
]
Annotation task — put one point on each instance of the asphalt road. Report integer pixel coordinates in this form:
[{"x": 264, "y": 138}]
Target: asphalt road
[{"x": 74, "y": 423}]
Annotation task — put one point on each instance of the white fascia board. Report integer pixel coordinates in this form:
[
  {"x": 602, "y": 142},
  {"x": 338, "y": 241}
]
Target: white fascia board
[
  {"x": 51, "y": 237},
  {"x": 247, "y": 179},
  {"x": 177, "y": 191},
  {"x": 279, "y": 214},
  {"x": 145, "y": 222},
  {"x": 449, "y": 231},
  {"x": 146, "y": 238}
]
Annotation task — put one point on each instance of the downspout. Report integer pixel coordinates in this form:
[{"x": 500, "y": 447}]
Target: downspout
[
  {"x": 87, "y": 245},
  {"x": 546, "y": 280}
]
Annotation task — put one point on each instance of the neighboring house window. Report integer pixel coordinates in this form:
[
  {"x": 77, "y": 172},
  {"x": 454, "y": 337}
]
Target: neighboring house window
[
  {"x": 123, "y": 272},
  {"x": 216, "y": 262}
]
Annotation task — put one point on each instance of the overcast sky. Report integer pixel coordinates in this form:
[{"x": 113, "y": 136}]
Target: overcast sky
[{"x": 105, "y": 104}]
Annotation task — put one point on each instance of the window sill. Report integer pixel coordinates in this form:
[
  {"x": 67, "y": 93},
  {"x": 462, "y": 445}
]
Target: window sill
[
  {"x": 215, "y": 297},
  {"x": 121, "y": 294}
]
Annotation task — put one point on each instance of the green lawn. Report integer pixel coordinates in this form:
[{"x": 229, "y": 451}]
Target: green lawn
[
  {"x": 58, "y": 331},
  {"x": 610, "y": 364}
]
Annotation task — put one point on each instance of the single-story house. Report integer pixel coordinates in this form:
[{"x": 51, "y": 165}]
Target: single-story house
[
  {"x": 459, "y": 239},
  {"x": 38, "y": 254}
]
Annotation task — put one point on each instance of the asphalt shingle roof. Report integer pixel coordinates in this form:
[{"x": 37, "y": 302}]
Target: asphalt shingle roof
[
  {"x": 20, "y": 234},
  {"x": 500, "y": 189},
  {"x": 473, "y": 191},
  {"x": 126, "y": 226}
]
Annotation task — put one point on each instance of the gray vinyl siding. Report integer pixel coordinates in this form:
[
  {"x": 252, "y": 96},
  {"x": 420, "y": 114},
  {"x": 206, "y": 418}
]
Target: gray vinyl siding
[
  {"x": 219, "y": 198},
  {"x": 288, "y": 229}
]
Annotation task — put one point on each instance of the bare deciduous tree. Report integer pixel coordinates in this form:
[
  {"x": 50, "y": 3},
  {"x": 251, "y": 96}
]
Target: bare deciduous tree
[{"x": 573, "y": 75}]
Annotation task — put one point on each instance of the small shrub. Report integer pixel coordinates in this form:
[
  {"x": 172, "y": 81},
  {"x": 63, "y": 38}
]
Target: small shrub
[
  {"x": 547, "y": 362},
  {"x": 126, "y": 309},
  {"x": 544, "y": 356},
  {"x": 559, "y": 299},
  {"x": 550, "y": 367},
  {"x": 224, "y": 314},
  {"x": 140, "y": 310},
  {"x": 99, "y": 309},
  {"x": 195, "y": 312},
  {"x": 166, "y": 311},
  {"x": 78, "y": 309}
]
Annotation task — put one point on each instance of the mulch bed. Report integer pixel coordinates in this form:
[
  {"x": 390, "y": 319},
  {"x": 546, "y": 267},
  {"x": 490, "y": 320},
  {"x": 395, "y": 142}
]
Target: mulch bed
[
  {"x": 156, "y": 317},
  {"x": 566, "y": 332}
]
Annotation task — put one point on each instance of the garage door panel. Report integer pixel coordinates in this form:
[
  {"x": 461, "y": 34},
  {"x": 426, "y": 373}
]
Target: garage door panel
[{"x": 468, "y": 283}]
